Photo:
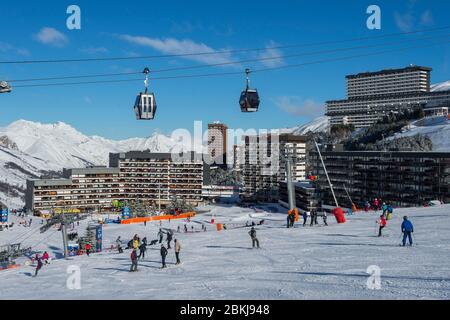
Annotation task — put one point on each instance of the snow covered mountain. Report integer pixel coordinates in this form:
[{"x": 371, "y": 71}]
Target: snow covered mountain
[
  {"x": 443, "y": 86},
  {"x": 31, "y": 150}
]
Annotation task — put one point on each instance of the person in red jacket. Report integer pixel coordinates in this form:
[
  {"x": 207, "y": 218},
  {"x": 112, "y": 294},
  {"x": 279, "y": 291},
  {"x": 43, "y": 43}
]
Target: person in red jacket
[
  {"x": 46, "y": 257},
  {"x": 134, "y": 263},
  {"x": 88, "y": 249},
  {"x": 38, "y": 267},
  {"x": 382, "y": 223}
]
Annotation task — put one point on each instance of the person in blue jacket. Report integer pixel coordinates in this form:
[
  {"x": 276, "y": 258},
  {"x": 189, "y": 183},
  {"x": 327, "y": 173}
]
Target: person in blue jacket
[{"x": 407, "y": 229}]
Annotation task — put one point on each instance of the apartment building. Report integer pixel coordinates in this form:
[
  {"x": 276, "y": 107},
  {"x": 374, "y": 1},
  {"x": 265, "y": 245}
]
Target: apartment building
[
  {"x": 371, "y": 95},
  {"x": 217, "y": 143},
  {"x": 265, "y": 163},
  {"x": 135, "y": 175},
  {"x": 306, "y": 196},
  {"x": 403, "y": 179}
]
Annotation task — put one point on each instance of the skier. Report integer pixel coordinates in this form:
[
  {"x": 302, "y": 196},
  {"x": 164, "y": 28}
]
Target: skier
[
  {"x": 288, "y": 220},
  {"x": 119, "y": 244},
  {"x": 144, "y": 241},
  {"x": 407, "y": 229},
  {"x": 136, "y": 242},
  {"x": 29, "y": 224},
  {"x": 185, "y": 229},
  {"x": 382, "y": 223},
  {"x": 367, "y": 206},
  {"x": 177, "y": 250},
  {"x": 169, "y": 239},
  {"x": 160, "y": 235},
  {"x": 385, "y": 208},
  {"x": 255, "y": 240},
  {"x": 305, "y": 217},
  {"x": 46, "y": 257},
  {"x": 88, "y": 249},
  {"x": 178, "y": 229},
  {"x": 39, "y": 265},
  {"x": 163, "y": 252},
  {"x": 325, "y": 218},
  {"x": 142, "y": 249},
  {"x": 390, "y": 211},
  {"x": 313, "y": 218},
  {"x": 134, "y": 263},
  {"x": 375, "y": 204}
]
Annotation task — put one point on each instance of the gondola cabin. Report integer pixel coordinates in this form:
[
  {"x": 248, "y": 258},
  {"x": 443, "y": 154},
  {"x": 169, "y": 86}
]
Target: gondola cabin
[
  {"x": 249, "y": 100},
  {"x": 145, "y": 106}
]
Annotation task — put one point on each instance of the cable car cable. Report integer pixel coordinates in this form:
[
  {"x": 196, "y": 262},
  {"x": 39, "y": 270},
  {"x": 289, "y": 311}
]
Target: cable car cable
[
  {"x": 237, "y": 72},
  {"x": 231, "y": 62},
  {"x": 222, "y": 51}
]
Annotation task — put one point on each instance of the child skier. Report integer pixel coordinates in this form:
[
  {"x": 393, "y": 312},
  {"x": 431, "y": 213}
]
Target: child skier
[
  {"x": 134, "y": 263},
  {"x": 382, "y": 223}
]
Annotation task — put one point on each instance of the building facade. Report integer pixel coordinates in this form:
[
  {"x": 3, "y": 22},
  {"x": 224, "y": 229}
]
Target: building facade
[
  {"x": 151, "y": 177},
  {"x": 306, "y": 196},
  {"x": 403, "y": 179},
  {"x": 217, "y": 143},
  {"x": 264, "y": 163},
  {"x": 371, "y": 95}
]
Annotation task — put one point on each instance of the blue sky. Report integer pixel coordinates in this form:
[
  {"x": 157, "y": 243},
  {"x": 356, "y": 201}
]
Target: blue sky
[{"x": 37, "y": 30}]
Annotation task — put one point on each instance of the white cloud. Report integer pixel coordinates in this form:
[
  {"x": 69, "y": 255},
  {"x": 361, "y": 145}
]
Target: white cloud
[
  {"x": 52, "y": 37},
  {"x": 297, "y": 106},
  {"x": 5, "y": 47},
  {"x": 94, "y": 50},
  {"x": 404, "y": 21},
  {"x": 271, "y": 55},
  {"x": 426, "y": 19},
  {"x": 175, "y": 46}
]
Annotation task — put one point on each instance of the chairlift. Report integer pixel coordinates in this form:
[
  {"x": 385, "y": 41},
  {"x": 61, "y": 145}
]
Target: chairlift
[
  {"x": 145, "y": 105},
  {"x": 249, "y": 100}
]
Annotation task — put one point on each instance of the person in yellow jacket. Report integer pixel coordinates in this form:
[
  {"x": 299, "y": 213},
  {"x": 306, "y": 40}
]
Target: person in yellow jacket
[{"x": 136, "y": 242}]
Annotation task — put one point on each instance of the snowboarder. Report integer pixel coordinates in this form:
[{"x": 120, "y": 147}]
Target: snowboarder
[
  {"x": 163, "y": 252},
  {"x": 160, "y": 235},
  {"x": 382, "y": 223},
  {"x": 134, "y": 263},
  {"x": 88, "y": 249},
  {"x": 255, "y": 240},
  {"x": 177, "y": 250},
  {"x": 39, "y": 266},
  {"x": 142, "y": 249},
  {"x": 169, "y": 239},
  {"x": 407, "y": 229}
]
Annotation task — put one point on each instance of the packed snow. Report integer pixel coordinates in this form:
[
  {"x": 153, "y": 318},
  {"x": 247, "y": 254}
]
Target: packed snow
[{"x": 302, "y": 263}]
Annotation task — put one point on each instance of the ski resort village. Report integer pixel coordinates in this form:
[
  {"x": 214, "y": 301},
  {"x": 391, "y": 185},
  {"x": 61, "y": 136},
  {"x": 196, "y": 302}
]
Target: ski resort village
[{"x": 224, "y": 168}]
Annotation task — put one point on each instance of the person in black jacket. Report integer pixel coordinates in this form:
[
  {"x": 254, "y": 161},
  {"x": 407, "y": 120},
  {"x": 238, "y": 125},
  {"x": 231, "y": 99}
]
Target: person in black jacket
[
  {"x": 142, "y": 249},
  {"x": 169, "y": 239},
  {"x": 255, "y": 240},
  {"x": 163, "y": 256}
]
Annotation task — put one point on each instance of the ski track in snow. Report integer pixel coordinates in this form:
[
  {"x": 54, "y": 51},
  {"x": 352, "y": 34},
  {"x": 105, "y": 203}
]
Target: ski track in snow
[{"x": 301, "y": 263}]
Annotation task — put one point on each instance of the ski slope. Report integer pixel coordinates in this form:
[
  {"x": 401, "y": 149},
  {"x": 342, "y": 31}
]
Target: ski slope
[{"x": 302, "y": 263}]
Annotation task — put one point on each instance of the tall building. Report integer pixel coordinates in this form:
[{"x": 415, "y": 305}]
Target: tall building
[
  {"x": 217, "y": 143},
  {"x": 371, "y": 95},
  {"x": 264, "y": 164},
  {"x": 404, "y": 179},
  {"x": 135, "y": 175}
]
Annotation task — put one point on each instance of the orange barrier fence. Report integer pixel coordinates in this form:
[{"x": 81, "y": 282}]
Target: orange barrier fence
[
  {"x": 13, "y": 266},
  {"x": 158, "y": 218}
]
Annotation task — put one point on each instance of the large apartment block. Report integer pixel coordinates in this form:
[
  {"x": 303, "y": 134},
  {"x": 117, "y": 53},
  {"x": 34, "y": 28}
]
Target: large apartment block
[
  {"x": 264, "y": 163},
  {"x": 135, "y": 175},
  {"x": 217, "y": 143},
  {"x": 403, "y": 179},
  {"x": 371, "y": 95}
]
